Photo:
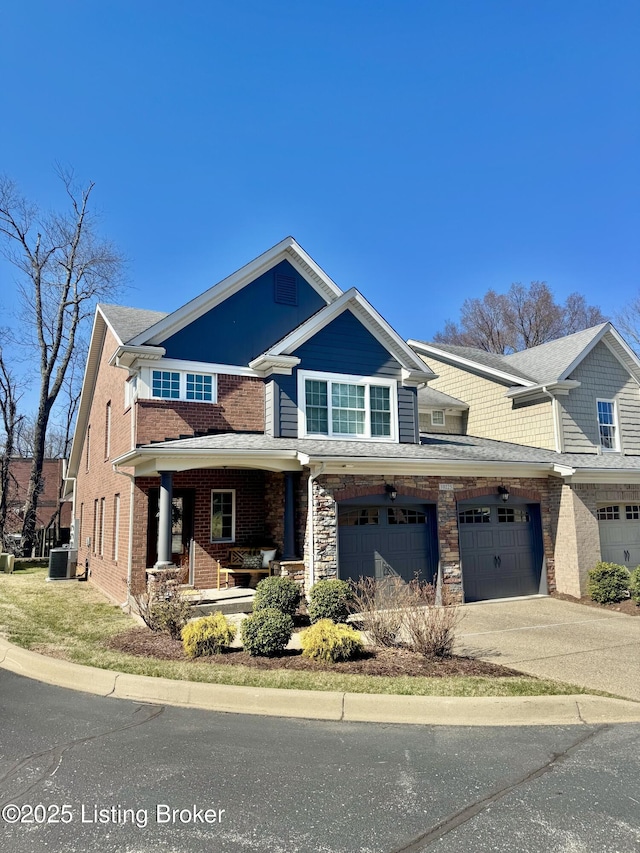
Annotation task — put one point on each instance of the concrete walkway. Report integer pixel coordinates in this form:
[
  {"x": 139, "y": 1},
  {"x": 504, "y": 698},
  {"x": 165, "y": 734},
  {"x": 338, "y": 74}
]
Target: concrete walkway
[{"x": 595, "y": 649}]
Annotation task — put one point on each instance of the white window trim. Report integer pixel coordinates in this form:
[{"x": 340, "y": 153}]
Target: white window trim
[
  {"x": 438, "y": 423},
  {"x": 233, "y": 516},
  {"x": 145, "y": 385},
  {"x": 348, "y": 379},
  {"x": 616, "y": 426}
]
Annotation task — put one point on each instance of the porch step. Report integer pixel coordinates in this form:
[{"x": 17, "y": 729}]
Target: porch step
[{"x": 234, "y": 600}]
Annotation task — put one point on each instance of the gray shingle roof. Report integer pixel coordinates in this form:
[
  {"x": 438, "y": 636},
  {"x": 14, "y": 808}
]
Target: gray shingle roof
[
  {"x": 542, "y": 364},
  {"x": 548, "y": 362},
  {"x": 130, "y": 322},
  {"x": 433, "y": 448},
  {"x": 429, "y": 398}
]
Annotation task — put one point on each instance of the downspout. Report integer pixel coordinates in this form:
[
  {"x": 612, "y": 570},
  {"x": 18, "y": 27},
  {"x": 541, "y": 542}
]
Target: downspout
[
  {"x": 557, "y": 432},
  {"x": 73, "y": 509},
  {"x": 132, "y": 482},
  {"x": 312, "y": 561}
]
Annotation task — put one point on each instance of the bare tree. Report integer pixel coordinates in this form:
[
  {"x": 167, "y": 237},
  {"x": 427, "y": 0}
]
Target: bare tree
[
  {"x": 9, "y": 398},
  {"x": 64, "y": 269},
  {"x": 628, "y": 322},
  {"x": 523, "y": 317}
]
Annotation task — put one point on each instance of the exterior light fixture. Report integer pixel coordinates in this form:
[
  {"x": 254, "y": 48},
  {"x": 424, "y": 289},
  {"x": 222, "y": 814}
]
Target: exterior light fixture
[
  {"x": 391, "y": 491},
  {"x": 503, "y": 491}
]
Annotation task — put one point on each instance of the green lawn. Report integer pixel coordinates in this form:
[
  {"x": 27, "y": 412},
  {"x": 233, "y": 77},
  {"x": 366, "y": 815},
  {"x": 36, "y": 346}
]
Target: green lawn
[{"x": 72, "y": 621}]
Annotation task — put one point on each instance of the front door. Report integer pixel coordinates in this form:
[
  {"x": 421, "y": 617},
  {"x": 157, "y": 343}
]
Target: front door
[{"x": 181, "y": 529}]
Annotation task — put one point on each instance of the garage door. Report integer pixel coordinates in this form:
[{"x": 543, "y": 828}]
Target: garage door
[
  {"x": 499, "y": 553},
  {"x": 620, "y": 534},
  {"x": 375, "y": 541}
]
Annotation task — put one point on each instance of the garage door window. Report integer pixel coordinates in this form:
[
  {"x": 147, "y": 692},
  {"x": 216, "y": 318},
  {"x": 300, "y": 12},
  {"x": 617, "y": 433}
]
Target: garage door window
[
  {"x": 357, "y": 517},
  {"x": 511, "y": 515},
  {"x": 478, "y": 515},
  {"x": 609, "y": 513},
  {"x": 405, "y": 516},
  {"x": 632, "y": 512}
]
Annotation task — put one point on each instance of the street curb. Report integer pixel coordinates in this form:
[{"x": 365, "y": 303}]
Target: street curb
[{"x": 579, "y": 709}]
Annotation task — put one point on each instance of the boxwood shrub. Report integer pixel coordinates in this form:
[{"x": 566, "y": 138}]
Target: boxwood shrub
[
  {"x": 608, "y": 583},
  {"x": 634, "y": 585},
  {"x": 267, "y": 632},
  {"x": 280, "y": 593},
  {"x": 330, "y": 599}
]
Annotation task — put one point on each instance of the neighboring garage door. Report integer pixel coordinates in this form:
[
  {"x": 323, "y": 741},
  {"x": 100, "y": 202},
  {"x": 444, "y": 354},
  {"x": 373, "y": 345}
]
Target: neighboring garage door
[
  {"x": 377, "y": 541},
  {"x": 620, "y": 534},
  {"x": 499, "y": 551}
]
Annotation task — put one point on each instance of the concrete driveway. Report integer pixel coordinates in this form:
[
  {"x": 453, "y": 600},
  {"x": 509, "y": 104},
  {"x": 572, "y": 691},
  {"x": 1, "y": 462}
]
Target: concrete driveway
[{"x": 555, "y": 639}]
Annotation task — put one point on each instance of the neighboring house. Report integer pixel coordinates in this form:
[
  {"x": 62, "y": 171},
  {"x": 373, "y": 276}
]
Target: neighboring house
[
  {"x": 276, "y": 409},
  {"x": 580, "y": 397},
  {"x": 53, "y": 518}
]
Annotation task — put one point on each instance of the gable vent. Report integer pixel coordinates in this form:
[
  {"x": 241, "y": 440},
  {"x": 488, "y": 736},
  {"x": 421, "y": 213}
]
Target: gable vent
[{"x": 286, "y": 289}]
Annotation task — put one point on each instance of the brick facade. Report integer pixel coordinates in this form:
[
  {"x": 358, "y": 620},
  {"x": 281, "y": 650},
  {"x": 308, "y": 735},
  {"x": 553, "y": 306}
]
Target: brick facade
[{"x": 240, "y": 408}]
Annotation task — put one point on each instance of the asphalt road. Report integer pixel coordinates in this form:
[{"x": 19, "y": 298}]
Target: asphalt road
[{"x": 80, "y": 773}]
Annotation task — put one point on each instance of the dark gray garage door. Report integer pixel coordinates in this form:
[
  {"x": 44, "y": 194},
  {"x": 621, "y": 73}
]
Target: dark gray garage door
[
  {"x": 375, "y": 541},
  {"x": 499, "y": 550}
]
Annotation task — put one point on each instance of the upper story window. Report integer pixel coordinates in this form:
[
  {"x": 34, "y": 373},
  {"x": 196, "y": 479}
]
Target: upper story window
[
  {"x": 182, "y": 385},
  {"x": 437, "y": 417},
  {"x": 107, "y": 431},
  {"x": 608, "y": 424},
  {"x": 347, "y": 406}
]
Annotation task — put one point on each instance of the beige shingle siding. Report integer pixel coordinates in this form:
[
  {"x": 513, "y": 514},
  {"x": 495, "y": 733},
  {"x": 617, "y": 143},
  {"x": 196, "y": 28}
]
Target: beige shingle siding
[
  {"x": 602, "y": 377},
  {"x": 453, "y": 424},
  {"x": 491, "y": 414}
]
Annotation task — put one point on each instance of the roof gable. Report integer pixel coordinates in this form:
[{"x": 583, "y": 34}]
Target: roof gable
[
  {"x": 287, "y": 250},
  {"x": 368, "y": 318}
]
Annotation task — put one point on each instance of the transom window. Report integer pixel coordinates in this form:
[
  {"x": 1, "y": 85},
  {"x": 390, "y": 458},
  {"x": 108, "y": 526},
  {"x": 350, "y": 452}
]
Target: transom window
[
  {"x": 336, "y": 408},
  {"x": 607, "y": 424},
  {"x": 223, "y": 515},
  {"x": 179, "y": 385},
  {"x": 609, "y": 513},
  {"x": 477, "y": 515}
]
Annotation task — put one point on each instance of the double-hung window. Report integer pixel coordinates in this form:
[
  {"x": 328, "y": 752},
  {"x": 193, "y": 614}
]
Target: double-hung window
[
  {"x": 607, "y": 424},
  {"x": 347, "y": 406}
]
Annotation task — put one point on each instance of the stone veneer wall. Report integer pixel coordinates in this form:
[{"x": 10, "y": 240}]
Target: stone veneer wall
[{"x": 332, "y": 488}]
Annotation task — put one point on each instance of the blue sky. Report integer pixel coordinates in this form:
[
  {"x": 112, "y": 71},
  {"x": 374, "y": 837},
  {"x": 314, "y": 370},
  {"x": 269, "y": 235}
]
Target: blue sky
[{"x": 420, "y": 151}]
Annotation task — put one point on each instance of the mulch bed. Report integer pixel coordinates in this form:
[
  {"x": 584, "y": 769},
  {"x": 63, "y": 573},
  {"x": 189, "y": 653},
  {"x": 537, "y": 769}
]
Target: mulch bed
[
  {"x": 627, "y": 605},
  {"x": 390, "y": 662}
]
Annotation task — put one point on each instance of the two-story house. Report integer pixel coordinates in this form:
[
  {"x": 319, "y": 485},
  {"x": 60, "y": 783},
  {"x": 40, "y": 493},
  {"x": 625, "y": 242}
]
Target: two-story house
[
  {"x": 277, "y": 410},
  {"x": 578, "y": 396}
]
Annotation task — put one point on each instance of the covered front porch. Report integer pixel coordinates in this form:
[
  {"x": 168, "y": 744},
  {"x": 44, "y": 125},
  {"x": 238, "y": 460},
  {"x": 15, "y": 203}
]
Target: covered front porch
[{"x": 226, "y": 520}]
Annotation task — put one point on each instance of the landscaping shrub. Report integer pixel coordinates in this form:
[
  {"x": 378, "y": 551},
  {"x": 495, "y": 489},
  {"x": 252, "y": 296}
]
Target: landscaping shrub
[
  {"x": 634, "y": 585},
  {"x": 378, "y": 608},
  {"x": 330, "y": 642},
  {"x": 330, "y": 599},
  {"x": 429, "y": 628},
  {"x": 267, "y": 632},
  {"x": 608, "y": 583},
  {"x": 208, "y": 635},
  {"x": 162, "y": 607},
  {"x": 279, "y": 593}
]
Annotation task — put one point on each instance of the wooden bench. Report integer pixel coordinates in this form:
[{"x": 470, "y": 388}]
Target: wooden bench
[{"x": 234, "y": 566}]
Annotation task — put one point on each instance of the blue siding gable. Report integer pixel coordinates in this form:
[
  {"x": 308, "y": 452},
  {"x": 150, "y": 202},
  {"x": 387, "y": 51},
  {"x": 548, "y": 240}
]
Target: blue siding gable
[
  {"x": 346, "y": 346},
  {"x": 247, "y": 323}
]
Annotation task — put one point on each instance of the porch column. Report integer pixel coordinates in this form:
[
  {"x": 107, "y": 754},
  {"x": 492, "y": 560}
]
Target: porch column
[
  {"x": 164, "y": 519},
  {"x": 289, "y": 517}
]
